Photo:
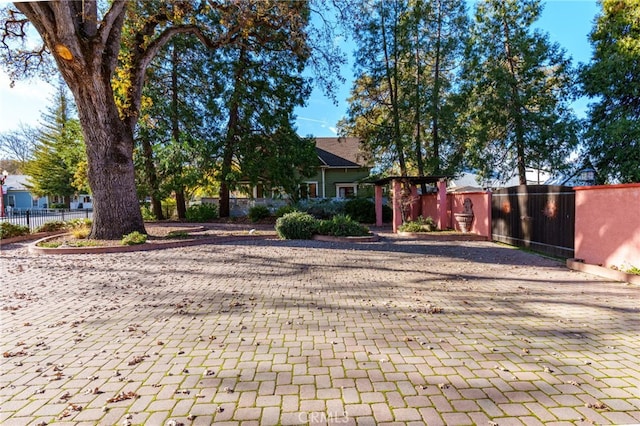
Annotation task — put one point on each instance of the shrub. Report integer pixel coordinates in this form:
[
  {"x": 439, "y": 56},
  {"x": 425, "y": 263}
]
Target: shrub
[
  {"x": 342, "y": 226},
  {"x": 79, "y": 228},
  {"x": 9, "y": 230},
  {"x": 284, "y": 210},
  {"x": 134, "y": 238},
  {"x": 79, "y": 223},
  {"x": 58, "y": 206},
  {"x": 81, "y": 232},
  {"x": 147, "y": 214},
  {"x": 361, "y": 210},
  {"x": 56, "y": 225},
  {"x": 419, "y": 225},
  {"x": 296, "y": 226},
  {"x": 202, "y": 212},
  {"x": 257, "y": 213},
  {"x": 633, "y": 270},
  {"x": 50, "y": 244},
  {"x": 321, "y": 209}
]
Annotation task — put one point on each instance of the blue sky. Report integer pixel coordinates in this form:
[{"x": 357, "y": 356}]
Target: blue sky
[{"x": 568, "y": 23}]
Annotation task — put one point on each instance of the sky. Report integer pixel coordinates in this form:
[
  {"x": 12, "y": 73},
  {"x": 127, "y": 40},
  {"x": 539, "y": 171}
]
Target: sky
[{"x": 568, "y": 23}]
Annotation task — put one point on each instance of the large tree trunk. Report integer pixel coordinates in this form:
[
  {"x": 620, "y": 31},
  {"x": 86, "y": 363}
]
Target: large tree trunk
[{"x": 109, "y": 142}]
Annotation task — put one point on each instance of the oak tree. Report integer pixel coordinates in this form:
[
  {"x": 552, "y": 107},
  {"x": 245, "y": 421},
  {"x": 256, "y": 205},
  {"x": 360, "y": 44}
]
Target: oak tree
[{"x": 85, "y": 39}]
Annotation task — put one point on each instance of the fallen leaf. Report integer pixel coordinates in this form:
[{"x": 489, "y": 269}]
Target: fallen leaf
[{"x": 122, "y": 396}]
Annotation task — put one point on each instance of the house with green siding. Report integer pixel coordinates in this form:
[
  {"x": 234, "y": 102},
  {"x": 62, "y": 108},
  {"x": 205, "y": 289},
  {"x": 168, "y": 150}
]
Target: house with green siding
[{"x": 342, "y": 166}]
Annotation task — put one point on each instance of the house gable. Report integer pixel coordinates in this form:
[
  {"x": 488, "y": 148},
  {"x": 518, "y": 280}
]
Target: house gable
[
  {"x": 342, "y": 166},
  {"x": 340, "y": 152}
]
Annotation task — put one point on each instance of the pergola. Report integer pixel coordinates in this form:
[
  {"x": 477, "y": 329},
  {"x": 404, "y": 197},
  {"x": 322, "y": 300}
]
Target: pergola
[{"x": 413, "y": 182}]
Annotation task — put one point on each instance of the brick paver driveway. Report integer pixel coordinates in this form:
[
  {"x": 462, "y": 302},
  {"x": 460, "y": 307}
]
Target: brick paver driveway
[{"x": 275, "y": 332}]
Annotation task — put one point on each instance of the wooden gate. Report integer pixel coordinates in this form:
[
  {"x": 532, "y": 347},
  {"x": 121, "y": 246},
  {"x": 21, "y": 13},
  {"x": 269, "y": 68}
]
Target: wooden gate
[{"x": 539, "y": 217}]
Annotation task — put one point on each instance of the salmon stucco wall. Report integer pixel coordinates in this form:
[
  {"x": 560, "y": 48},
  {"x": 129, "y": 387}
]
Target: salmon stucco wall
[
  {"x": 481, "y": 210},
  {"x": 429, "y": 206},
  {"x": 607, "y": 227},
  {"x": 481, "y": 224}
]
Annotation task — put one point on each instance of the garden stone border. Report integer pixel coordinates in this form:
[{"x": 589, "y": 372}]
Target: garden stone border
[
  {"x": 439, "y": 236},
  {"x": 364, "y": 239},
  {"x": 34, "y": 236},
  {"x": 34, "y": 248},
  {"x": 603, "y": 272}
]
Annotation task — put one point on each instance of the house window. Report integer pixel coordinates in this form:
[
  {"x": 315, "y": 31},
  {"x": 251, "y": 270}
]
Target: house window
[
  {"x": 86, "y": 199},
  {"x": 11, "y": 201},
  {"x": 312, "y": 189},
  {"x": 34, "y": 202},
  {"x": 346, "y": 190}
]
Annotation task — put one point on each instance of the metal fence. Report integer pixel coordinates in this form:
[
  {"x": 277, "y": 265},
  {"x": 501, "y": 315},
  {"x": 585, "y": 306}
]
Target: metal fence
[{"x": 33, "y": 218}]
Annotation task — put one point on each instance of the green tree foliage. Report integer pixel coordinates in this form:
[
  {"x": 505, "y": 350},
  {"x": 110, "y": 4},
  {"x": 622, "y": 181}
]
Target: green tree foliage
[
  {"x": 99, "y": 50},
  {"x": 375, "y": 110},
  {"x": 263, "y": 84},
  {"x": 519, "y": 86},
  {"x": 402, "y": 104},
  {"x": 612, "y": 79},
  {"x": 171, "y": 134},
  {"x": 58, "y": 160}
]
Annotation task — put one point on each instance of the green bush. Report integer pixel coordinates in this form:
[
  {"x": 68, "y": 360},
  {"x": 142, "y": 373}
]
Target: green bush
[
  {"x": 58, "y": 206},
  {"x": 257, "y": 213},
  {"x": 9, "y": 230},
  {"x": 296, "y": 226},
  {"x": 56, "y": 225},
  {"x": 79, "y": 223},
  {"x": 134, "y": 238},
  {"x": 419, "y": 225},
  {"x": 361, "y": 210},
  {"x": 284, "y": 210},
  {"x": 147, "y": 214},
  {"x": 342, "y": 226},
  {"x": 202, "y": 212},
  {"x": 322, "y": 208}
]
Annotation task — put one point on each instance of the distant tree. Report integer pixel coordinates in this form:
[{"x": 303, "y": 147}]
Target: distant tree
[
  {"x": 612, "y": 80},
  {"x": 402, "y": 104},
  {"x": 59, "y": 158},
  {"x": 375, "y": 107},
  {"x": 13, "y": 167},
  {"x": 518, "y": 88},
  {"x": 19, "y": 144}
]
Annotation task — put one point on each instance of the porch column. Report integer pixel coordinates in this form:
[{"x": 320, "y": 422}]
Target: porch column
[
  {"x": 397, "y": 204},
  {"x": 378, "y": 202},
  {"x": 443, "y": 218}
]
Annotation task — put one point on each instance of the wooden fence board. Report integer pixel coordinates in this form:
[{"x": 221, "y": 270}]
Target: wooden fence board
[{"x": 539, "y": 217}]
